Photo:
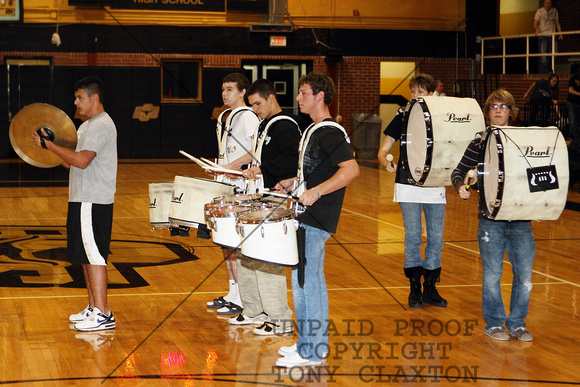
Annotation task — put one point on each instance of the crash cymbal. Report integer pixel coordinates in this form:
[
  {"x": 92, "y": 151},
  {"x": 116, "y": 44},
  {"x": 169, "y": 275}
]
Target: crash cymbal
[{"x": 34, "y": 117}]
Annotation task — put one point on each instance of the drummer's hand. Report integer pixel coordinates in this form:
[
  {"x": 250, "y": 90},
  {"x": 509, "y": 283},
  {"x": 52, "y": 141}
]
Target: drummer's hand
[
  {"x": 285, "y": 186},
  {"x": 309, "y": 197},
  {"x": 391, "y": 167},
  {"x": 464, "y": 193},
  {"x": 252, "y": 173},
  {"x": 36, "y": 138}
]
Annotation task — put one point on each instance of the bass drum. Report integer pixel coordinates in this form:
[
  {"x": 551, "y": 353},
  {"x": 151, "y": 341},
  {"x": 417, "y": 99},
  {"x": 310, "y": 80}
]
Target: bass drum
[
  {"x": 190, "y": 194},
  {"x": 159, "y": 201},
  {"x": 436, "y": 131},
  {"x": 523, "y": 174}
]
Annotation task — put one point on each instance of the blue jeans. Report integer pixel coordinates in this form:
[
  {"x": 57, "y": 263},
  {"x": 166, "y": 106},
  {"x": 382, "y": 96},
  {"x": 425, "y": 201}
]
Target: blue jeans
[
  {"x": 434, "y": 219},
  {"x": 311, "y": 302},
  {"x": 573, "y": 116},
  {"x": 515, "y": 238},
  {"x": 545, "y": 46}
]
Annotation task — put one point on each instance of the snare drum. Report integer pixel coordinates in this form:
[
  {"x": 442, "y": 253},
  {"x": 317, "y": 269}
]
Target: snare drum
[
  {"x": 190, "y": 194},
  {"x": 222, "y": 222},
  {"x": 269, "y": 235},
  {"x": 159, "y": 201},
  {"x": 237, "y": 198},
  {"x": 523, "y": 174},
  {"x": 435, "y": 134}
]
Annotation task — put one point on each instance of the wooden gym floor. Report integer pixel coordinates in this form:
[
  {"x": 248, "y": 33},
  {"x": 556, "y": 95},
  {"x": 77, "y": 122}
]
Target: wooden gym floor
[{"x": 166, "y": 336}]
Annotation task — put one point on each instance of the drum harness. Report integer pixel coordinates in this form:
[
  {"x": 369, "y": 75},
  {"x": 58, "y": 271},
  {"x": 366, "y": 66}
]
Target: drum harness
[
  {"x": 223, "y": 133},
  {"x": 258, "y": 144}
]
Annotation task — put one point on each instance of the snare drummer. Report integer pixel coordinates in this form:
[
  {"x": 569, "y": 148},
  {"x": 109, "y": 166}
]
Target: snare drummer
[
  {"x": 263, "y": 285},
  {"x": 327, "y": 166},
  {"x": 234, "y": 140},
  {"x": 411, "y": 199},
  {"x": 498, "y": 236}
]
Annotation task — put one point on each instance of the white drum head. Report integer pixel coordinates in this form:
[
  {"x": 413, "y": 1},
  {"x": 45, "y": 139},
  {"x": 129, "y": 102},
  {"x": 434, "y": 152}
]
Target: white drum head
[
  {"x": 266, "y": 215},
  {"x": 416, "y": 141},
  {"x": 492, "y": 182}
]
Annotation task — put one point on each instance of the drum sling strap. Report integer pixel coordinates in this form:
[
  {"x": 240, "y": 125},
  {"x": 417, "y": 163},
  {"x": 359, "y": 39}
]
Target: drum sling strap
[
  {"x": 299, "y": 189},
  {"x": 224, "y": 130},
  {"x": 257, "y": 145}
]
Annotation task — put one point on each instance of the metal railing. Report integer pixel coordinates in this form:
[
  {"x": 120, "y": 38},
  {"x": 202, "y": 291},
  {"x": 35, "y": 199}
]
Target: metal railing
[{"x": 524, "y": 47}]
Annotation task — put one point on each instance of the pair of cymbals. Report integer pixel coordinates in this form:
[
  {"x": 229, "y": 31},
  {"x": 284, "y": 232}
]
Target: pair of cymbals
[{"x": 34, "y": 117}]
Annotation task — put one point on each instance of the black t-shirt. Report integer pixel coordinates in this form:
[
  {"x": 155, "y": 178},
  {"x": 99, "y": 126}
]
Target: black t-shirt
[
  {"x": 280, "y": 150},
  {"x": 395, "y": 130},
  {"x": 574, "y": 84},
  {"x": 326, "y": 149}
]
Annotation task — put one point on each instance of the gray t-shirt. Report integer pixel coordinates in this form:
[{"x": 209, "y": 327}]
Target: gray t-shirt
[{"x": 97, "y": 182}]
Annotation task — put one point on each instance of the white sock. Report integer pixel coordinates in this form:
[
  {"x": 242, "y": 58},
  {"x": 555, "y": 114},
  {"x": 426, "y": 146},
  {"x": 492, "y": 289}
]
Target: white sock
[
  {"x": 233, "y": 292},
  {"x": 238, "y": 299}
]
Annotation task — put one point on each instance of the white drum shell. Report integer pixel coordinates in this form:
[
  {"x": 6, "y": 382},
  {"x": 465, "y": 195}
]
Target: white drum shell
[
  {"x": 222, "y": 222},
  {"x": 159, "y": 202},
  {"x": 453, "y": 123},
  {"x": 272, "y": 241},
  {"x": 517, "y": 202},
  {"x": 190, "y": 194}
]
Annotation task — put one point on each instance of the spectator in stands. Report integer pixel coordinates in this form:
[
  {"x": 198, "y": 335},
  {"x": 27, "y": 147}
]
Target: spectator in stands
[
  {"x": 573, "y": 104},
  {"x": 439, "y": 89},
  {"x": 546, "y": 22},
  {"x": 543, "y": 97}
]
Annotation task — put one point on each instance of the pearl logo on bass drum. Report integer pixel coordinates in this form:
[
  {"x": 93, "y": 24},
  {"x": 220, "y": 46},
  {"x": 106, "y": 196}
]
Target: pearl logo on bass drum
[
  {"x": 455, "y": 118},
  {"x": 529, "y": 151}
]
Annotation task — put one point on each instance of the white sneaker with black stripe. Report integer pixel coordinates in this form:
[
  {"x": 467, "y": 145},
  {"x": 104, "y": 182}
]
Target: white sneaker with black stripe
[
  {"x": 78, "y": 317},
  {"x": 268, "y": 328},
  {"x": 242, "y": 319},
  {"x": 97, "y": 321}
]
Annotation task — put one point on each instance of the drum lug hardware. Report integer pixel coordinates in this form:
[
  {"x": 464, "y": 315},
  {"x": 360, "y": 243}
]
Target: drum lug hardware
[
  {"x": 262, "y": 231},
  {"x": 285, "y": 229}
]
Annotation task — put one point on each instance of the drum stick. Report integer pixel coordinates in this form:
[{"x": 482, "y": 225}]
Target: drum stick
[
  {"x": 470, "y": 175},
  {"x": 219, "y": 168},
  {"x": 194, "y": 159},
  {"x": 280, "y": 195},
  {"x": 390, "y": 160},
  {"x": 211, "y": 163},
  {"x": 206, "y": 164}
]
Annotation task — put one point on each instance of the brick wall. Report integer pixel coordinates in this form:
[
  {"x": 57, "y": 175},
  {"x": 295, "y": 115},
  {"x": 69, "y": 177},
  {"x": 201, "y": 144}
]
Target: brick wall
[{"x": 357, "y": 78}]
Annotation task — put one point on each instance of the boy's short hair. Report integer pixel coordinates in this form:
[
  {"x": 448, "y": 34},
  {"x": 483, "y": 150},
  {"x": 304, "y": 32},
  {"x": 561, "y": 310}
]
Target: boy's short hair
[
  {"x": 424, "y": 81},
  {"x": 92, "y": 85},
  {"x": 320, "y": 82},
  {"x": 241, "y": 81},
  {"x": 263, "y": 88},
  {"x": 501, "y": 96}
]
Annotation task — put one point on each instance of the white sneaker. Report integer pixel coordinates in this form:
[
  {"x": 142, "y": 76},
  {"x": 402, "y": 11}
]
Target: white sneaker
[
  {"x": 270, "y": 329},
  {"x": 242, "y": 319},
  {"x": 97, "y": 321},
  {"x": 295, "y": 360},
  {"x": 287, "y": 350},
  {"x": 78, "y": 317}
]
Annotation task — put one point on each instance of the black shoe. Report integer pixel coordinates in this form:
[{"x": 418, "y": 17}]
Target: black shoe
[
  {"x": 414, "y": 275},
  {"x": 430, "y": 294}
]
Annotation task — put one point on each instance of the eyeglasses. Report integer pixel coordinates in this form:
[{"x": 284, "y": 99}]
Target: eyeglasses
[{"x": 502, "y": 106}]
